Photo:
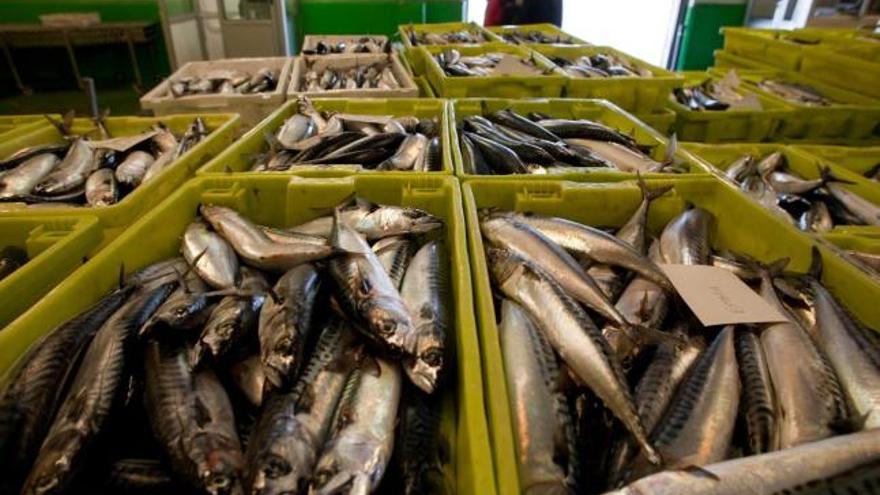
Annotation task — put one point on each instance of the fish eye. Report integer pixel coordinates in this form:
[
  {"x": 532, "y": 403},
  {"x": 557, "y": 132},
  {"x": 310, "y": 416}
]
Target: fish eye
[
  {"x": 276, "y": 467},
  {"x": 433, "y": 357},
  {"x": 387, "y": 327},
  {"x": 180, "y": 312}
]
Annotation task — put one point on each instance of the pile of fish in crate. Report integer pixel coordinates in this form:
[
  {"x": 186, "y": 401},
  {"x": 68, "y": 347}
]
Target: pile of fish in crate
[{"x": 261, "y": 361}]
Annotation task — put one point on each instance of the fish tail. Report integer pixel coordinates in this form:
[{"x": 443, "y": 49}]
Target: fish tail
[
  {"x": 829, "y": 177},
  {"x": 649, "y": 194}
]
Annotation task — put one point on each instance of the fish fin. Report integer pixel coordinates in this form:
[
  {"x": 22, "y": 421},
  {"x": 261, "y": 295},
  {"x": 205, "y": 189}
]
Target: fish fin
[
  {"x": 700, "y": 472},
  {"x": 57, "y": 124},
  {"x": 341, "y": 242},
  {"x": 648, "y": 194},
  {"x": 828, "y": 176},
  {"x": 849, "y": 425},
  {"x": 871, "y": 172},
  {"x": 647, "y": 335},
  {"x": 815, "y": 270}
]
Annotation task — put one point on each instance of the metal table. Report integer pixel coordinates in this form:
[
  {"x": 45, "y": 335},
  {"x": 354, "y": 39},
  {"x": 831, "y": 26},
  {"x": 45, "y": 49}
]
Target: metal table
[{"x": 68, "y": 37}]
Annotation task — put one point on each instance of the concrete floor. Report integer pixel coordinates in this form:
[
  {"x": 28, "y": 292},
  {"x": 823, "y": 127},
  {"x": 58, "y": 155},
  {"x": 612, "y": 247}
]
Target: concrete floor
[{"x": 120, "y": 101}]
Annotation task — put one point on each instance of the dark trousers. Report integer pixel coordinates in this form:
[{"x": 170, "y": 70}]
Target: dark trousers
[{"x": 533, "y": 11}]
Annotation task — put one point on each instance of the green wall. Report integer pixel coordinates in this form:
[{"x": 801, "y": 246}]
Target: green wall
[
  {"x": 701, "y": 35},
  {"x": 109, "y": 65}
]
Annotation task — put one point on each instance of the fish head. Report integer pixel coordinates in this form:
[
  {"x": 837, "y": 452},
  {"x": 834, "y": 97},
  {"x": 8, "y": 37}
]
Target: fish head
[
  {"x": 219, "y": 472},
  {"x": 425, "y": 367},
  {"x": 281, "y": 358},
  {"x": 502, "y": 264},
  {"x": 286, "y": 466},
  {"x": 49, "y": 185},
  {"x": 391, "y": 321},
  {"x": 353, "y": 466},
  {"x": 50, "y": 472}
]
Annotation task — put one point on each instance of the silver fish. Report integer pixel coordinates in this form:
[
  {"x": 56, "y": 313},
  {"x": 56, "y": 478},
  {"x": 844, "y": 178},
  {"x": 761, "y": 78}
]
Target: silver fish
[
  {"x": 865, "y": 210},
  {"x": 286, "y": 322},
  {"x": 187, "y": 308},
  {"x": 254, "y": 247},
  {"x": 210, "y": 255},
  {"x": 295, "y": 129},
  {"x": 587, "y": 242},
  {"x": 741, "y": 168},
  {"x": 642, "y": 303},
  {"x": 92, "y": 396},
  {"x": 573, "y": 335},
  {"x": 22, "y": 179},
  {"x": 784, "y": 182},
  {"x": 367, "y": 293},
  {"x": 33, "y": 389},
  {"x": 72, "y": 172},
  {"x": 810, "y": 468},
  {"x": 293, "y": 426},
  {"x": 191, "y": 417},
  {"x": 249, "y": 376},
  {"x": 375, "y": 221},
  {"x": 158, "y": 165},
  {"x": 424, "y": 292},
  {"x": 133, "y": 169},
  {"x": 758, "y": 404},
  {"x": 698, "y": 425},
  {"x": 101, "y": 188},
  {"x": 232, "y": 321},
  {"x": 805, "y": 389},
  {"x": 633, "y": 232},
  {"x": 506, "y": 231},
  {"x": 355, "y": 457},
  {"x": 541, "y": 416},
  {"x": 411, "y": 148},
  {"x": 394, "y": 253},
  {"x": 655, "y": 390},
  {"x": 685, "y": 240},
  {"x": 853, "y": 351}
]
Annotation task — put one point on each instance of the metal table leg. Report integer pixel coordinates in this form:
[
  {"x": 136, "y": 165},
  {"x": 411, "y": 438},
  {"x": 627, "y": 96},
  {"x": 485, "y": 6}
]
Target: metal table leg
[
  {"x": 71, "y": 55},
  {"x": 18, "y": 82},
  {"x": 138, "y": 82}
]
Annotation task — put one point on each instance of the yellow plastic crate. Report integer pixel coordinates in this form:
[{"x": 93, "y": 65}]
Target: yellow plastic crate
[
  {"x": 12, "y": 126},
  {"x": 531, "y": 86},
  {"x": 728, "y": 125},
  {"x": 281, "y": 202},
  {"x": 858, "y": 160},
  {"x": 634, "y": 94},
  {"x": 801, "y": 163},
  {"x": 544, "y": 28},
  {"x": 596, "y": 110},
  {"x": 741, "y": 226},
  {"x": 116, "y": 217},
  {"x": 446, "y": 27},
  {"x": 55, "y": 247},
  {"x": 856, "y": 117},
  {"x": 238, "y": 157}
]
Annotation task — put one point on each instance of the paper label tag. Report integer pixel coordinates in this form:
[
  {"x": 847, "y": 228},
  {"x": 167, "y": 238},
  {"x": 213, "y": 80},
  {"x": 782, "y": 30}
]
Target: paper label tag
[
  {"x": 718, "y": 297},
  {"x": 124, "y": 143},
  {"x": 513, "y": 66}
]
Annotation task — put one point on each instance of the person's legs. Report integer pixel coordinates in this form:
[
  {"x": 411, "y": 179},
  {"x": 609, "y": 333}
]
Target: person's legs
[{"x": 537, "y": 11}]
